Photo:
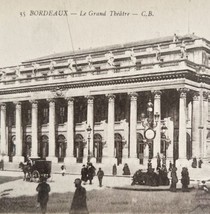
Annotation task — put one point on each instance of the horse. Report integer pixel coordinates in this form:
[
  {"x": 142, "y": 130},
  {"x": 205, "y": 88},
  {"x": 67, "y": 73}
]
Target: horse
[{"x": 26, "y": 170}]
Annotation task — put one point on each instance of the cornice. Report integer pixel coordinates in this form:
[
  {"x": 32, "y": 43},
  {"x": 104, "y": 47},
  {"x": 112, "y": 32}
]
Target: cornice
[{"x": 181, "y": 74}]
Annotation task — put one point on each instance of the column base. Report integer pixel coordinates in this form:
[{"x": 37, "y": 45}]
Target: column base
[
  {"x": 53, "y": 159},
  {"x": 5, "y": 158},
  {"x": 17, "y": 159},
  {"x": 69, "y": 160},
  {"x": 109, "y": 160},
  {"x": 183, "y": 162}
]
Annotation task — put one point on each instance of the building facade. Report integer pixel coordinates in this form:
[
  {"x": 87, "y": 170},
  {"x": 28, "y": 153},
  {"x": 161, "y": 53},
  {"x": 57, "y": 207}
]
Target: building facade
[{"x": 47, "y": 104}]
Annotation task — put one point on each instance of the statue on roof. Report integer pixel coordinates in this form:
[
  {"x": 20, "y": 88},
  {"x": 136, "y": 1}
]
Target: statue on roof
[
  {"x": 132, "y": 56},
  {"x": 71, "y": 65},
  {"x": 89, "y": 60},
  {"x": 3, "y": 74},
  {"x": 35, "y": 68},
  {"x": 183, "y": 50},
  {"x": 175, "y": 38},
  {"x": 158, "y": 53},
  {"x": 52, "y": 66},
  {"x": 17, "y": 72},
  {"x": 110, "y": 58}
]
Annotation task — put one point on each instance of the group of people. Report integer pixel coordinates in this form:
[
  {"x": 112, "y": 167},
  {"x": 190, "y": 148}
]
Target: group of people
[
  {"x": 196, "y": 163},
  {"x": 88, "y": 173},
  {"x": 185, "y": 180}
]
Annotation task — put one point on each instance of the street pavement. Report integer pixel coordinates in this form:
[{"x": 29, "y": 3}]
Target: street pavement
[{"x": 62, "y": 184}]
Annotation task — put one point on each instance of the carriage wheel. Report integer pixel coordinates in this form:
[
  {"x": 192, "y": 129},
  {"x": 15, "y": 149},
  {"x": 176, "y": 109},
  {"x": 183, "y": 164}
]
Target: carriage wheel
[{"x": 35, "y": 176}]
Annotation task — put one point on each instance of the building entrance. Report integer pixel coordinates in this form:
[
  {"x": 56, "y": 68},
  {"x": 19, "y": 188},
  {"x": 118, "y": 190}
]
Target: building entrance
[
  {"x": 98, "y": 148},
  {"x": 44, "y": 147},
  {"x": 61, "y": 148},
  {"x": 79, "y": 148},
  {"x": 118, "y": 148}
]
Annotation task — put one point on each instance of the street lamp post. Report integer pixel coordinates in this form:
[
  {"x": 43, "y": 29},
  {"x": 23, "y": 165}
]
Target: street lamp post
[{"x": 88, "y": 131}]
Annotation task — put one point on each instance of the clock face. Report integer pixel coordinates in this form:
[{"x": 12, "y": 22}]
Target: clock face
[{"x": 149, "y": 134}]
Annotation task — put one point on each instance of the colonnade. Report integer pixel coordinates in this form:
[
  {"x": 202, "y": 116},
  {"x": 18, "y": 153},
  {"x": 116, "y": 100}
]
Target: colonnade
[{"x": 197, "y": 148}]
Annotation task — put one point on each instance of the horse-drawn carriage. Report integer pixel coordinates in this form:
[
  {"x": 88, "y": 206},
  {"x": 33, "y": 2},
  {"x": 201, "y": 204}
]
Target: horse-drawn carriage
[{"x": 38, "y": 168}]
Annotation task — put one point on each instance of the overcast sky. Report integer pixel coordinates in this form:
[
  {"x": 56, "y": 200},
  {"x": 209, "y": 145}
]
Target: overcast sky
[{"x": 27, "y": 37}]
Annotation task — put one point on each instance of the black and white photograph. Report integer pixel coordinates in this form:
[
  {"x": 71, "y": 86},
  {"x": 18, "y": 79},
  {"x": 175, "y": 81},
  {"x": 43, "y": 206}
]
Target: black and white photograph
[{"x": 105, "y": 106}]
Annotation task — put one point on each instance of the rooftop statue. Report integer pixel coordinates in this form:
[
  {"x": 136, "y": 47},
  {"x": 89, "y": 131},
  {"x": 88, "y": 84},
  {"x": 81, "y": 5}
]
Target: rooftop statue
[
  {"x": 35, "y": 68},
  {"x": 183, "y": 50},
  {"x": 158, "y": 53},
  {"x": 110, "y": 57},
  {"x": 70, "y": 65}
]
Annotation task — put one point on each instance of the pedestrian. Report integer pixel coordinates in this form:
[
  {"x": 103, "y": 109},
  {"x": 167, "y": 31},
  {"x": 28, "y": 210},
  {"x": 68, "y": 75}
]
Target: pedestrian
[
  {"x": 114, "y": 170},
  {"x": 84, "y": 174},
  {"x": 174, "y": 179},
  {"x": 194, "y": 163},
  {"x": 43, "y": 190},
  {"x": 100, "y": 175},
  {"x": 200, "y": 162},
  {"x": 79, "y": 204},
  {"x": 170, "y": 166},
  {"x": 63, "y": 170},
  {"x": 158, "y": 161},
  {"x": 185, "y": 179},
  {"x": 149, "y": 164},
  {"x": 91, "y": 172},
  {"x": 126, "y": 170}
]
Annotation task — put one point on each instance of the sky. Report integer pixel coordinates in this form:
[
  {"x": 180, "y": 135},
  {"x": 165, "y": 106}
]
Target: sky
[{"x": 25, "y": 36}]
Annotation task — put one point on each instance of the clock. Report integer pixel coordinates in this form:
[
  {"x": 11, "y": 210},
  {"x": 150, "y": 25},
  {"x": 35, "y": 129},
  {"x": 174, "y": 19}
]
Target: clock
[{"x": 149, "y": 134}]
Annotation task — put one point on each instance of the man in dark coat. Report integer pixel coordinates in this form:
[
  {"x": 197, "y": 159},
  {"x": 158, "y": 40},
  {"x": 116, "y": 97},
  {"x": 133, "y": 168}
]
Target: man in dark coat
[
  {"x": 79, "y": 204},
  {"x": 43, "y": 190},
  {"x": 84, "y": 174},
  {"x": 100, "y": 175},
  {"x": 185, "y": 179},
  {"x": 174, "y": 179},
  {"x": 91, "y": 172}
]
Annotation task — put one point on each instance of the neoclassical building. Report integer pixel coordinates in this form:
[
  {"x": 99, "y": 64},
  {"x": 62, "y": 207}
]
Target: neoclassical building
[{"x": 138, "y": 99}]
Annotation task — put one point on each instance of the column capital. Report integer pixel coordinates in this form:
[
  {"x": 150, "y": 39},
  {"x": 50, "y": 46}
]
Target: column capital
[
  {"x": 70, "y": 99},
  {"x": 183, "y": 92},
  {"x": 205, "y": 95},
  {"x": 18, "y": 105},
  {"x": 111, "y": 97},
  {"x": 89, "y": 98},
  {"x": 195, "y": 95},
  {"x": 51, "y": 100},
  {"x": 33, "y": 102},
  {"x": 3, "y": 106},
  {"x": 157, "y": 94},
  {"x": 133, "y": 96}
]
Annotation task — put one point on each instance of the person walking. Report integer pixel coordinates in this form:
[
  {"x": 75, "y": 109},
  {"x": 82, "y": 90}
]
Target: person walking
[
  {"x": 43, "y": 190},
  {"x": 114, "y": 170},
  {"x": 63, "y": 170},
  {"x": 174, "y": 179},
  {"x": 100, "y": 175},
  {"x": 185, "y": 179},
  {"x": 79, "y": 204},
  {"x": 200, "y": 162},
  {"x": 84, "y": 174},
  {"x": 91, "y": 172}
]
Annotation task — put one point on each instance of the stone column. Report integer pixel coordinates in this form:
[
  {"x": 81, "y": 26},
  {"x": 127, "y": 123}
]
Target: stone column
[
  {"x": 195, "y": 126},
  {"x": 70, "y": 131},
  {"x": 205, "y": 122},
  {"x": 157, "y": 109},
  {"x": 110, "y": 127},
  {"x": 52, "y": 130},
  {"x": 34, "y": 128},
  {"x": 90, "y": 121},
  {"x": 133, "y": 124},
  {"x": 4, "y": 144},
  {"x": 182, "y": 124},
  {"x": 19, "y": 135}
]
